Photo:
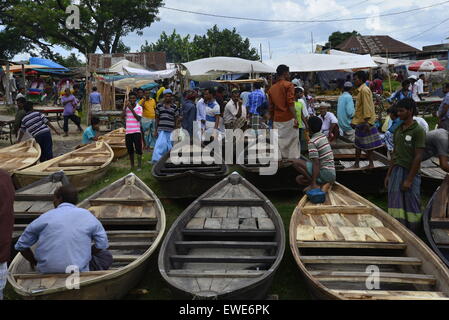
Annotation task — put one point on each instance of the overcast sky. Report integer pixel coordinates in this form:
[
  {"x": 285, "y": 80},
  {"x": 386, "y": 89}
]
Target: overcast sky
[{"x": 288, "y": 38}]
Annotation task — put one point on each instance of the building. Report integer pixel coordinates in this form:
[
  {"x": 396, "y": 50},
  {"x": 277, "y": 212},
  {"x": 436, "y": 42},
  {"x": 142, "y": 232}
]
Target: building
[
  {"x": 151, "y": 60},
  {"x": 438, "y": 51},
  {"x": 379, "y": 46}
]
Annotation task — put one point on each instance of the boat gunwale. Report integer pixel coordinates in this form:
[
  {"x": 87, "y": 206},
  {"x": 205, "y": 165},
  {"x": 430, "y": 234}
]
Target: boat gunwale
[{"x": 35, "y": 145}]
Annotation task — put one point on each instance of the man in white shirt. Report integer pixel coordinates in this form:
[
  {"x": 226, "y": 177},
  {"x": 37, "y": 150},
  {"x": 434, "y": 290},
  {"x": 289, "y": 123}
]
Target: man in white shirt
[
  {"x": 330, "y": 122},
  {"x": 414, "y": 88},
  {"x": 420, "y": 84}
]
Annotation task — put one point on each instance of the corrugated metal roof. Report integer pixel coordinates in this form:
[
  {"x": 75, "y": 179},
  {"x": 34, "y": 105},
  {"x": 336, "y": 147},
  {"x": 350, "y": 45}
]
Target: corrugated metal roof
[{"x": 375, "y": 45}]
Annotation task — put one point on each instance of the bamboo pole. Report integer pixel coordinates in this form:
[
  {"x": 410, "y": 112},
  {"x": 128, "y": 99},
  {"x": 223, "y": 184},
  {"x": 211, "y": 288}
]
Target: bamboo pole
[
  {"x": 7, "y": 86},
  {"x": 389, "y": 74}
]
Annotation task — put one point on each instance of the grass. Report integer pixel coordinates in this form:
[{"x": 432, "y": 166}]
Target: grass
[{"x": 287, "y": 284}]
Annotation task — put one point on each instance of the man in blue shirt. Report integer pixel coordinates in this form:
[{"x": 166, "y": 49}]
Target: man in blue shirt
[
  {"x": 90, "y": 134},
  {"x": 64, "y": 238},
  {"x": 345, "y": 112},
  {"x": 95, "y": 100},
  {"x": 255, "y": 101}
]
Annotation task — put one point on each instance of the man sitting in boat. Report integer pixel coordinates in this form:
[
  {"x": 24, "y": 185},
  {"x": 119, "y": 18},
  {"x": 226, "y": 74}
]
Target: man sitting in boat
[
  {"x": 437, "y": 145},
  {"x": 64, "y": 238},
  {"x": 321, "y": 168}
]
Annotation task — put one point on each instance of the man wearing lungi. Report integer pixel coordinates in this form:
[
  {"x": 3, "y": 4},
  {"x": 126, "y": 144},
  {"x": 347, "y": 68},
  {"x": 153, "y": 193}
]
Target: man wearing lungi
[
  {"x": 282, "y": 110},
  {"x": 367, "y": 136},
  {"x": 403, "y": 180}
]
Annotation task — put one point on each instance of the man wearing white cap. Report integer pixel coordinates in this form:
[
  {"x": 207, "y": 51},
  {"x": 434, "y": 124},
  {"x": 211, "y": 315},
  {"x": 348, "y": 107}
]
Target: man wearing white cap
[
  {"x": 330, "y": 122},
  {"x": 345, "y": 112},
  {"x": 414, "y": 88}
]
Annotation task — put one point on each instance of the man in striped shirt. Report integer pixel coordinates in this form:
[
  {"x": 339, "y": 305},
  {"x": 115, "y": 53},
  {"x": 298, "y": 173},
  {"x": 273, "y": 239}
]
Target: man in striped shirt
[
  {"x": 321, "y": 169},
  {"x": 38, "y": 127},
  {"x": 167, "y": 117},
  {"x": 133, "y": 114}
]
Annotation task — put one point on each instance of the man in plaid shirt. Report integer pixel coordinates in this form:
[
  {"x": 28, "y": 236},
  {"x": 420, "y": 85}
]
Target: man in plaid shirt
[{"x": 256, "y": 99}]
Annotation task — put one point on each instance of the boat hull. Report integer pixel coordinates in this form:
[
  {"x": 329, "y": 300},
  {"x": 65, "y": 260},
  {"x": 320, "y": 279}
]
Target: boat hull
[
  {"x": 364, "y": 181},
  {"x": 283, "y": 180},
  {"x": 79, "y": 181}
]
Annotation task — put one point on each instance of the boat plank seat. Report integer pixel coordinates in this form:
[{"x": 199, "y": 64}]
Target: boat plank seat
[
  {"x": 230, "y": 233},
  {"x": 232, "y": 202},
  {"x": 128, "y": 222},
  {"x": 135, "y": 202},
  {"x": 183, "y": 273},
  {"x": 222, "y": 259},
  {"x": 361, "y": 260},
  {"x": 123, "y": 211},
  {"x": 404, "y": 278},
  {"x": 350, "y": 245},
  {"x": 131, "y": 233},
  {"x": 323, "y": 209},
  {"x": 226, "y": 244},
  {"x": 129, "y": 245},
  {"x": 125, "y": 258},
  {"x": 391, "y": 295}
]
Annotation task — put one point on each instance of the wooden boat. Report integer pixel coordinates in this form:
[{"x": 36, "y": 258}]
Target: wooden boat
[
  {"x": 339, "y": 244},
  {"x": 82, "y": 167},
  {"x": 20, "y": 156},
  {"x": 35, "y": 199},
  {"x": 116, "y": 140},
  {"x": 436, "y": 222},
  {"x": 227, "y": 244},
  {"x": 432, "y": 176},
  {"x": 188, "y": 180},
  {"x": 134, "y": 220},
  {"x": 257, "y": 157},
  {"x": 361, "y": 179}
]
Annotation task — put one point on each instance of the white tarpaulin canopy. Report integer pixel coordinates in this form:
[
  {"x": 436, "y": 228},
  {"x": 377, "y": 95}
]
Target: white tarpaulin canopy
[
  {"x": 151, "y": 75},
  {"x": 323, "y": 62},
  {"x": 131, "y": 83},
  {"x": 378, "y": 60},
  {"x": 119, "y": 67},
  {"x": 211, "y": 68}
]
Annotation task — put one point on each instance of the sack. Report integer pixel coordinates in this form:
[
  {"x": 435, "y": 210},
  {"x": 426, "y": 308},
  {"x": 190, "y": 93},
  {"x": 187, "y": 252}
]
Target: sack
[{"x": 316, "y": 196}]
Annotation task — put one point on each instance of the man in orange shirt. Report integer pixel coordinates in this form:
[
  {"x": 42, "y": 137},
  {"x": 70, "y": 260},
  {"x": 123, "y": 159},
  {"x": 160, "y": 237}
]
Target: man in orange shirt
[{"x": 283, "y": 113}]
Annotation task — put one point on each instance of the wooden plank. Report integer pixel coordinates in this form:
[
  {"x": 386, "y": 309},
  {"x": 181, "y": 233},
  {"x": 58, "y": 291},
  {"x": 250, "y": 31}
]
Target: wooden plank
[
  {"x": 215, "y": 274},
  {"x": 387, "y": 234},
  {"x": 265, "y": 224},
  {"x": 204, "y": 212},
  {"x": 305, "y": 233},
  {"x": 337, "y": 209},
  {"x": 129, "y": 245},
  {"x": 319, "y": 221},
  {"x": 231, "y": 233},
  {"x": 245, "y": 212},
  {"x": 233, "y": 212},
  {"x": 226, "y": 244},
  {"x": 230, "y": 223},
  {"x": 249, "y": 224},
  {"x": 367, "y": 220},
  {"x": 368, "y": 234},
  {"x": 323, "y": 234},
  {"x": 219, "y": 212},
  {"x": 391, "y": 295},
  {"x": 129, "y": 202},
  {"x": 369, "y": 260},
  {"x": 351, "y": 234},
  {"x": 351, "y": 245},
  {"x": 258, "y": 212},
  {"x": 57, "y": 275},
  {"x": 336, "y": 220},
  {"x": 213, "y": 223},
  {"x": 196, "y": 223},
  {"x": 405, "y": 278},
  {"x": 222, "y": 259}
]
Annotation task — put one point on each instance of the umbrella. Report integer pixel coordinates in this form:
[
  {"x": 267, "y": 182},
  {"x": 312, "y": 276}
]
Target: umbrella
[{"x": 426, "y": 66}]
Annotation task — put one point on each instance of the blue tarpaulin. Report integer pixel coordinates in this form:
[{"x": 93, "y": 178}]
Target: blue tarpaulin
[{"x": 55, "y": 67}]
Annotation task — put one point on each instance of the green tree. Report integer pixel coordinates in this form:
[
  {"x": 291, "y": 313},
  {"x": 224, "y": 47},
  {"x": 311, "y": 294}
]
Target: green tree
[
  {"x": 176, "y": 47},
  {"x": 103, "y": 23},
  {"x": 11, "y": 43},
  {"x": 71, "y": 61},
  {"x": 215, "y": 42},
  {"x": 337, "y": 38}
]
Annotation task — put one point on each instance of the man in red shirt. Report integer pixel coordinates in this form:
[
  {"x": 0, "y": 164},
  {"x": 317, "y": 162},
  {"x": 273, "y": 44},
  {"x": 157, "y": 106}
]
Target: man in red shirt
[
  {"x": 6, "y": 225},
  {"x": 283, "y": 113}
]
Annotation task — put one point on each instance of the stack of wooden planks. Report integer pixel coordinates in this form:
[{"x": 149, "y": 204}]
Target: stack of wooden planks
[{"x": 20, "y": 156}]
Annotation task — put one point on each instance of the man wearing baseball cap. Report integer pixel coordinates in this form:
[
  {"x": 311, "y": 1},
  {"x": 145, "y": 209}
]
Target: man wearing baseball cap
[{"x": 345, "y": 111}]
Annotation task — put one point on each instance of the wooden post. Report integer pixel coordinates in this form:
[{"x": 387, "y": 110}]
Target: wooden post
[
  {"x": 23, "y": 76},
  {"x": 389, "y": 74},
  {"x": 87, "y": 90},
  {"x": 8, "y": 87}
]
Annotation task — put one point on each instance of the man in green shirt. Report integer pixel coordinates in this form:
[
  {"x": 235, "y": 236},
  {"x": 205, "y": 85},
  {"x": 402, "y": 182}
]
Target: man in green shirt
[
  {"x": 302, "y": 115},
  {"x": 403, "y": 180}
]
